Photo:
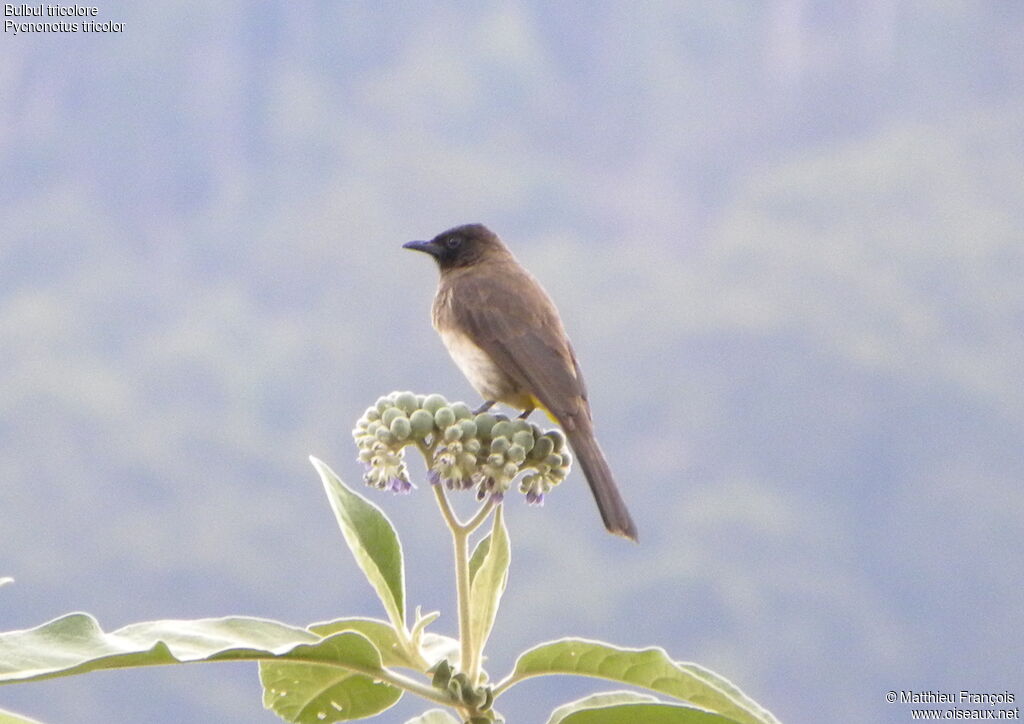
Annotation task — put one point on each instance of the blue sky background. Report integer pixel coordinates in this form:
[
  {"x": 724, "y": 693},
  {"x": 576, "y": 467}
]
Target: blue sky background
[{"x": 785, "y": 237}]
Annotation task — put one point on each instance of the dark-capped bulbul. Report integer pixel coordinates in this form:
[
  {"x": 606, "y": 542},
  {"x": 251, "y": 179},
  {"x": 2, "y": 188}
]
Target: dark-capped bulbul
[{"x": 505, "y": 335}]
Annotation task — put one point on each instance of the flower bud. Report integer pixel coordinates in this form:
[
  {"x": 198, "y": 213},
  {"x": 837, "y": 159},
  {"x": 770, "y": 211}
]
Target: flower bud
[
  {"x": 473, "y": 445},
  {"x": 461, "y": 410},
  {"x": 516, "y": 454},
  {"x": 502, "y": 428},
  {"x": 468, "y": 428},
  {"x": 557, "y": 438},
  {"x": 554, "y": 460},
  {"x": 485, "y": 422},
  {"x": 371, "y": 414},
  {"x": 544, "y": 447},
  {"x": 384, "y": 435},
  {"x": 433, "y": 403},
  {"x": 520, "y": 425},
  {"x": 524, "y": 439},
  {"x": 444, "y": 417},
  {"x": 510, "y": 470},
  {"x": 422, "y": 423},
  {"x": 382, "y": 404},
  {"x": 406, "y": 402},
  {"x": 452, "y": 432},
  {"x": 500, "y": 445},
  {"x": 400, "y": 484},
  {"x": 401, "y": 428},
  {"x": 390, "y": 414},
  {"x": 496, "y": 459}
]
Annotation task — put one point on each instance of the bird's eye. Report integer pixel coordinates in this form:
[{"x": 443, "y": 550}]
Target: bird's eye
[{"x": 453, "y": 242}]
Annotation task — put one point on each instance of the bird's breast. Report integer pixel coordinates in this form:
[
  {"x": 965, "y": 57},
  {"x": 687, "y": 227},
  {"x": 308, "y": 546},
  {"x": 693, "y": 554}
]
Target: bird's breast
[{"x": 478, "y": 367}]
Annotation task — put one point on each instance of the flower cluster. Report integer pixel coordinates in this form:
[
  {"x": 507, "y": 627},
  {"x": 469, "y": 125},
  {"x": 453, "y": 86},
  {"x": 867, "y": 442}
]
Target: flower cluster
[{"x": 463, "y": 451}]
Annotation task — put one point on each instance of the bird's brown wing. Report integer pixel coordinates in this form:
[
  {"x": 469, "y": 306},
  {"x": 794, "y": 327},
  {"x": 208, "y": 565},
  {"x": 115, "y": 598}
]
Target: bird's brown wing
[{"x": 511, "y": 318}]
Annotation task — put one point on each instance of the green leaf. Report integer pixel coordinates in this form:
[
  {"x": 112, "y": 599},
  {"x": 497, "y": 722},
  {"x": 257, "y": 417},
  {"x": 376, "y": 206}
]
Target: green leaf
[
  {"x": 719, "y": 682},
  {"x": 8, "y": 717},
  {"x": 304, "y": 676},
  {"x": 343, "y": 689},
  {"x": 75, "y": 644},
  {"x": 434, "y": 716},
  {"x": 373, "y": 541},
  {"x": 648, "y": 668},
  {"x": 479, "y": 553},
  {"x": 433, "y": 647},
  {"x": 613, "y": 707},
  {"x": 606, "y": 698},
  {"x": 646, "y": 713},
  {"x": 489, "y": 583},
  {"x": 380, "y": 633}
]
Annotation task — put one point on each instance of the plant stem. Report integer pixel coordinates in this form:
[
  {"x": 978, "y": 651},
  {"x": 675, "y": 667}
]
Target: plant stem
[
  {"x": 460, "y": 541},
  {"x": 415, "y": 687},
  {"x": 405, "y": 642},
  {"x": 446, "y": 509},
  {"x": 481, "y": 516},
  {"x": 507, "y": 683},
  {"x": 469, "y": 655},
  {"x": 394, "y": 678}
]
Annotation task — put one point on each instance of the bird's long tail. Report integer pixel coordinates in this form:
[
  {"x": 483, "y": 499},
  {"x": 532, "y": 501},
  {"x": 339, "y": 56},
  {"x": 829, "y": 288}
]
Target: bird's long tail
[{"x": 599, "y": 476}]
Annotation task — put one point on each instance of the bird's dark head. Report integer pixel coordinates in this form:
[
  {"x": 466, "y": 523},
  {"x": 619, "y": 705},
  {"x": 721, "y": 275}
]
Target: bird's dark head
[{"x": 461, "y": 246}]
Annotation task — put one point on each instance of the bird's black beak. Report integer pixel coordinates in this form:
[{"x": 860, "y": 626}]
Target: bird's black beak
[{"x": 426, "y": 247}]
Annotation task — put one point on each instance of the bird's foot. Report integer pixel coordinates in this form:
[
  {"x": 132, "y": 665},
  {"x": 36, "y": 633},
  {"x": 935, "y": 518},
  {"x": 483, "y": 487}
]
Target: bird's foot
[{"x": 488, "y": 404}]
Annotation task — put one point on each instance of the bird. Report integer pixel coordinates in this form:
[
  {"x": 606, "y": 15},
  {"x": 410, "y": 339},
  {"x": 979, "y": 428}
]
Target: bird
[{"x": 505, "y": 335}]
